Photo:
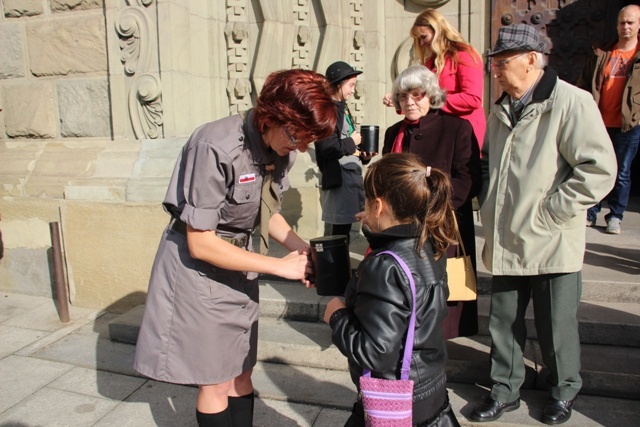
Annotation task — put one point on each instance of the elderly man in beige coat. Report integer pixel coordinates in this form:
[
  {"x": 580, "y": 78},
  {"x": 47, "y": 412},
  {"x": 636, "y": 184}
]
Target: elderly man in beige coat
[{"x": 547, "y": 158}]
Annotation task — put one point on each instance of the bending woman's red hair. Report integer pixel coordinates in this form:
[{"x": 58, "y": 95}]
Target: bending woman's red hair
[{"x": 298, "y": 100}]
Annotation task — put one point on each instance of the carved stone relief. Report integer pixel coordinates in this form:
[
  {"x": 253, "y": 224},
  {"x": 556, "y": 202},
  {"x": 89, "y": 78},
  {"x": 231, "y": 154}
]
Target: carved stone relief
[
  {"x": 302, "y": 44},
  {"x": 357, "y": 58},
  {"x": 145, "y": 106},
  {"x": 237, "y": 37},
  {"x": 137, "y": 36}
]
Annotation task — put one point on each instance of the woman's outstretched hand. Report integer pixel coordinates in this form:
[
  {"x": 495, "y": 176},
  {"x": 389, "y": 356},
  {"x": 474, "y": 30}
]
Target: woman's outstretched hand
[{"x": 297, "y": 265}]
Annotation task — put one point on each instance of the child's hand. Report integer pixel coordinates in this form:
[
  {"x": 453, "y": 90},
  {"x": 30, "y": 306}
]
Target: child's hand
[
  {"x": 333, "y": 305},
  {"x": 367, "y": 156},
  {"x": 357, "y": 138}
]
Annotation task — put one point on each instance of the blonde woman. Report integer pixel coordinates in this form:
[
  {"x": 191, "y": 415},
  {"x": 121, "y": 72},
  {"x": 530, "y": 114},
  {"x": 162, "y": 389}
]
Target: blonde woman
[{"x": 442, "y": 49}]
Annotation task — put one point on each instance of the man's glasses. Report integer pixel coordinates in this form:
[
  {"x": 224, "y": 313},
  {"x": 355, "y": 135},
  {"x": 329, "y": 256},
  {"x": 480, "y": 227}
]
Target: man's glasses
[
  {"x": 501, "y": 64},
  {"x": 417, "y": 97},
  {"x": 292, "y": 141}
]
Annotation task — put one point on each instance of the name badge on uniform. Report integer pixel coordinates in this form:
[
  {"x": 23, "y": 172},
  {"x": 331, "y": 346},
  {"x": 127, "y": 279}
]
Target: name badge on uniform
[{"x": 245, "y": 179}]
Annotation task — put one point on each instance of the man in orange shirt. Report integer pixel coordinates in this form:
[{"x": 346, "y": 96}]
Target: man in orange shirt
[{"x": 613, "y": 78}]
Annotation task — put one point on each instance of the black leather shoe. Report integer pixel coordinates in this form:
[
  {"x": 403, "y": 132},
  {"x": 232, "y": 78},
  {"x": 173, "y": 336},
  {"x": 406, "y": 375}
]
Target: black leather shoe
[
  {"x": 491, "y": 410},
  {"x": 557, "y": 411}
]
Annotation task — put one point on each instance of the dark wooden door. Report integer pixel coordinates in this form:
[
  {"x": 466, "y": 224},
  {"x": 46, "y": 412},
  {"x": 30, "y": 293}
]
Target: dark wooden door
[{"x": 570, "y": 26}]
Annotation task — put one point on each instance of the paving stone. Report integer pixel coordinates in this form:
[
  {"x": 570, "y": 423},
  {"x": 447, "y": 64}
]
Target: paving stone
[
  {"x": 53, "y": 408},
  {"x": 45, "y": 317},
  {"x": 98, "y": 383},
  {"x": 155, "y": 404},
  {"x": 23, "y": 376},
  {"x": 274, "y": 413},
  {"x": 91, "y": 352},
  {"x": 13, "y": 339},
  {"x": 331, "y": 418},
  {"x": 13, "y": 305}
]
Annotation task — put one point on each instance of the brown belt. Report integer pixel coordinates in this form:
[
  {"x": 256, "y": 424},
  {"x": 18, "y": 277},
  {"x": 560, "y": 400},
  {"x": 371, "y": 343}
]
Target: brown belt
[{"x": 181, "y": 227}]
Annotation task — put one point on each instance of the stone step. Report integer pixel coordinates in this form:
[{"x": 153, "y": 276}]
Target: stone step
[
  {"x": 302, "y": 388},
  {"x": 602, "y": 323},
  {"x": 600, "y": 289},
  {"x": 592, "y": 290},
  {"x": 606, "y": 370}
]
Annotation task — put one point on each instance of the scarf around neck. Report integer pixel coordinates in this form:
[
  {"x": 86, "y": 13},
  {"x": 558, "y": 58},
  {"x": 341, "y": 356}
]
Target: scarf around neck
[{"x": 398, "y": 142}]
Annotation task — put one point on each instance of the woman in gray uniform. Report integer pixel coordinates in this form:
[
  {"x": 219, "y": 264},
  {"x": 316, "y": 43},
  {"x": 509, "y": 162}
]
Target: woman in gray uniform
[{"x": 200, "y": 324}]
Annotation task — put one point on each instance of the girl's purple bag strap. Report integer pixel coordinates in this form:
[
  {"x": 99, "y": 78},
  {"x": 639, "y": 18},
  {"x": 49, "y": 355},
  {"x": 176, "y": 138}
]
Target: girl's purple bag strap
[{"x": 408, "y": 346}]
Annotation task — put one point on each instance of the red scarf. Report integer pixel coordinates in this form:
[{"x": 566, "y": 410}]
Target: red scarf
[{"x": 397, "y": 144}]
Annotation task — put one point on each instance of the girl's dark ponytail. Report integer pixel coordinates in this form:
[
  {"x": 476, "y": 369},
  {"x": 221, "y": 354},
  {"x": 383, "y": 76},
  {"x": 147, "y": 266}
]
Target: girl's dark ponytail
[
  {"x": 438, "y": 222},
  {"x": 417, "y": 194}
]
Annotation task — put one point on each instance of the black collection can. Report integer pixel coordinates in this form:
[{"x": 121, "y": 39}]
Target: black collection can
[
  {"x": 370, "y": 138},
  {"x": 331, "y": 263}
]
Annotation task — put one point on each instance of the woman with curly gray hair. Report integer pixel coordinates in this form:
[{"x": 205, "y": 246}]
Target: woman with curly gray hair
[
  {"x": 415, "y": 78},
  {"x": 448, "y": 143}
]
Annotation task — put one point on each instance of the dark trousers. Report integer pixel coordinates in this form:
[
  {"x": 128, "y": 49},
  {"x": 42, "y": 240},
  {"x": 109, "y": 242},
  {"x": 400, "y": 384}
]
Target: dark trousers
[
  {"x": 625, "y": 146},
  {"x": 555, "y": 302}
]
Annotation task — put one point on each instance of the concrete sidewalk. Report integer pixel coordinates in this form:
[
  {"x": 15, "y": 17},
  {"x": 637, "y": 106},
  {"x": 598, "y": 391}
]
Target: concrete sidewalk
[{"x": 54, "y": 374}]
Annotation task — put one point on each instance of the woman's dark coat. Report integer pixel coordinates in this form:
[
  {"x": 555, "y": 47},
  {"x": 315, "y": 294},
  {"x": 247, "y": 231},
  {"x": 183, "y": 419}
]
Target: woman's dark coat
[
  {"x": 331, "y": 149},
  {"x": 448, "y": 143}
]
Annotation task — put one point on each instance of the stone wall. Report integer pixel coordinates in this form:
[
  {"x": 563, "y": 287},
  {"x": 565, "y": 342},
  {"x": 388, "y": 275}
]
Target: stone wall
[{"x": 98, "y": 96}]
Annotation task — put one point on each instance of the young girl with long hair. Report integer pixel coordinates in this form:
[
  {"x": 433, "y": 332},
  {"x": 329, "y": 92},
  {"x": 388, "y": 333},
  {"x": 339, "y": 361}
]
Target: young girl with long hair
[{"x": 370, "y": 325}]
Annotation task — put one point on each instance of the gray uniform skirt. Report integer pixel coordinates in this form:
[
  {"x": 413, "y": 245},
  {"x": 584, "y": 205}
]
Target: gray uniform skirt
[{"x": 200, "y": 324}]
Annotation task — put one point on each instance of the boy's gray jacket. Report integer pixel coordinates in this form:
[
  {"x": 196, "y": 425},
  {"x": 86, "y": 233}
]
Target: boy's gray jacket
[{"x": 540, "y": 176}]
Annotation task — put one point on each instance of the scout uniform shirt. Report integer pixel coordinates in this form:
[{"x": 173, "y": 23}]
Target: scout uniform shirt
[{"x": 200, "y": 324}]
